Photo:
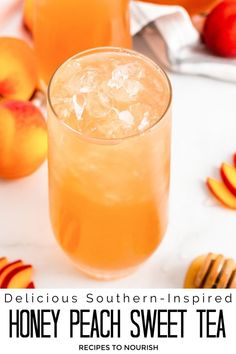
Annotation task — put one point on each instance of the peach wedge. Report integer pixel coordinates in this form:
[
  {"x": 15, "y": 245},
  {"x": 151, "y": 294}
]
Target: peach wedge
[
  {"x": 221, "y": 192},
  {"x": 228, "y": 174},
  {"x": 18, "y": 278},
  {"x": 30, "y": 285},
  {"x": 3, "y": 262},
  {"x": 234, "y": 158},
  {"x": 7, "y": 269},
  {"x": 15, "y": 275}
]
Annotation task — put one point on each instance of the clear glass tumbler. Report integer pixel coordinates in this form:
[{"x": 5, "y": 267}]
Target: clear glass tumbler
[{"x": 109, "y": 123}]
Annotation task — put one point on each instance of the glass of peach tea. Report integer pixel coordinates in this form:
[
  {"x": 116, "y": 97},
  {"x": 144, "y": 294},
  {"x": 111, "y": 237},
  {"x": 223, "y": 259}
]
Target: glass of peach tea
[{"x": 109, "y": 122}]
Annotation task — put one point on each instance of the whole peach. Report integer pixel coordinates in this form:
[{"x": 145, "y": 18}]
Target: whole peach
[
  {"x": 23, "y": 139},
  {"x": 219, "y": 31},
  {"x": 18, "y": 73}
]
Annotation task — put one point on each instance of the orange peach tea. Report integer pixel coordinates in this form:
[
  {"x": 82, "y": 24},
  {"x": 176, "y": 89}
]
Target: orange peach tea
[
  {"x": 63, "y": 28},
  {"x": 109, "y": 153}
]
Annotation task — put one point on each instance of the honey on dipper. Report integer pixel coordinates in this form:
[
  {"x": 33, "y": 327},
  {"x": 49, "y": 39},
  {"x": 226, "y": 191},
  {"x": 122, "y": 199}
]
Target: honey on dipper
[{"x": 211, "y": 271}]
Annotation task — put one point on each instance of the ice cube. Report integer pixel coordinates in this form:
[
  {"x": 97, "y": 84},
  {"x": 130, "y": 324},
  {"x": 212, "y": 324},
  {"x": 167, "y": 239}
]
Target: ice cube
[
  {"x": 107, "y": 126},
  {"x": 132, "y": 87},
  {"x": 140, "y": 110},
  {"x": 68, "y": 70},
  {"x": 64, "y": 113},
  {"x": 79, "y": 105},
  {"x": 88, "y": 82},
  {"x": 122, "y": 87},
  {"x": 126, "y": 117},
  {"x": 62, "y": 106},
  {"x": 136, "y": 70},
  {"x": 143, "y": 124},
  {"x": 121, "y": 72},
  {"x": 132, "y": 70},
  {"x": 143, "y": 114},
  {"x": 119, "y": 76},
  {"x": 98, "y": 104}
]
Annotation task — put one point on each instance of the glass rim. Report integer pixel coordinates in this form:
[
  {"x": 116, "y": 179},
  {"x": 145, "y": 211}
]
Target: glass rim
[{"x": 109, "y": 49}]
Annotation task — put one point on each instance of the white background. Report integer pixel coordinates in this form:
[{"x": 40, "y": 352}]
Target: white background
[
  {"x": 204, "y": 135},
  {"x": 191, "y": 343}
]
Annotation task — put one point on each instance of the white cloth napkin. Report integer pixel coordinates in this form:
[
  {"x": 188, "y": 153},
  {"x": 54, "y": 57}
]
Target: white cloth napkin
[
  {"x": 11, "y": 13},
  {"x": 175, "y": 42}
]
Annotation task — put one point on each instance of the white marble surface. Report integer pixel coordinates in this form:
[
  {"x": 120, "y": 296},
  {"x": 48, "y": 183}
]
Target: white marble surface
[{"x": 204, "y": 126}]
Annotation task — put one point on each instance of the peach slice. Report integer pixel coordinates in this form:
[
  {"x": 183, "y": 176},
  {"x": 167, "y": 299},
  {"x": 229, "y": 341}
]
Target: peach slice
[
  {"x": 221, "y": 192},
  {"x": 3, "y": 262},
  {"x": 18, "y": 278},
  {"x": 228, "y": 174},
  {"x": 28, "y": 14},
  {"x": 23, "y": 139},
  {"x": 18, "y": 73},
  {"x": 234, "y": 158},
  {"x": 7, "y": 269},
  {"x": 30, "y": 285}
]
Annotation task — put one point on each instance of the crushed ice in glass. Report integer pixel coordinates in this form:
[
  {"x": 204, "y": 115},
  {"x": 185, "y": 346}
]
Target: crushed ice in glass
[
  {"x": 109, "y": 96},
  {"x": 126, "y": 117},
  {"x": 78, "y": 107}
]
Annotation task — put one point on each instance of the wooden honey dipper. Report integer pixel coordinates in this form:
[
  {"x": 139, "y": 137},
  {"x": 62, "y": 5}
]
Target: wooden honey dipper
[{"x": 211, "y": 271}]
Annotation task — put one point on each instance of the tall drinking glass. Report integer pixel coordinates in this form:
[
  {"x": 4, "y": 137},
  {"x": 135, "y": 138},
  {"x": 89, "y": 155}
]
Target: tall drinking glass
[
  {"x": 109, "y": 123},
  {"x": 63, "y": 28}
]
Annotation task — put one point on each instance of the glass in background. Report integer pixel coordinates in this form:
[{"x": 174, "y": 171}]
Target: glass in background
[{"x": 66, "y": 27}]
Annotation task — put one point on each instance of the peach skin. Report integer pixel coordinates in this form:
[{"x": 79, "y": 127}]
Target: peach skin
[
  {"x": 23, "y": 139},
  {"x": 30, "y": 285},
  {"x": 234, "y": 158},
  {"x": 228, "y": 174},
  {"x": 7, "y": 269},
  {"x": 28, "y": 14},
  {"x": 219, "y": 31},
  {"x": 3, "y": 262},
  {"x": 221, "y": 192},
  {"x": 211, "y": 271},
  {"x": 18, "y": 73},
  {"x": 18, "y": 278}
]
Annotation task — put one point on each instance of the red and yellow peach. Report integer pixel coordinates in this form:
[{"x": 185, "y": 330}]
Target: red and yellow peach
[
  {"x": 18, "y": 74},
  {"x": 23, "y": 139}
]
